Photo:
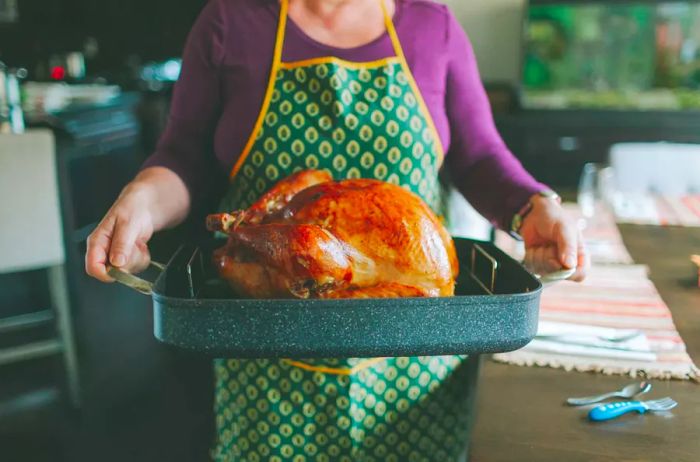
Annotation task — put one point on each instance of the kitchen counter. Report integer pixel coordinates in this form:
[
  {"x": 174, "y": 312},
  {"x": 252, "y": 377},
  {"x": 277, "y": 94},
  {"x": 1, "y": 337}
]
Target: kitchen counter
[{"x": 522, "y": 415}]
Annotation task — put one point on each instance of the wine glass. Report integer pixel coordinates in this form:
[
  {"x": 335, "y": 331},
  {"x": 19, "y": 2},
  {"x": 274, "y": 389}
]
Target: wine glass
[
  {"x": 595, "y": 191},
  {"x": 588, "y": 190}
]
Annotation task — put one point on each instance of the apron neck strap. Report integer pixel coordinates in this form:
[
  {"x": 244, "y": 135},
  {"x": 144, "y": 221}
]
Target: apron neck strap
[
  {"x": 282, "y": 27},
  {"x": 279, "y": 39},
  {"x": 391, "y": 30}
]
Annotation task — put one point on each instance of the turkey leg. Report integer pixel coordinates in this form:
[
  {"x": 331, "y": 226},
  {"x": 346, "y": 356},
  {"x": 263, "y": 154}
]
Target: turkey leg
[{"x": 312, "y": 259}]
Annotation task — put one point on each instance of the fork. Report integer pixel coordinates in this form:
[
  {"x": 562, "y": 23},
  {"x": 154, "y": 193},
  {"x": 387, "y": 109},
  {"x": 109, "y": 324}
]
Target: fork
[{"x": 613, "y": 410}]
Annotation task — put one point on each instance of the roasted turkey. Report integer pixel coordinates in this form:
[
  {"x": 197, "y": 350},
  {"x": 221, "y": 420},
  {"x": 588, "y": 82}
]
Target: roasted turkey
[{"x": 312, "y": 237}]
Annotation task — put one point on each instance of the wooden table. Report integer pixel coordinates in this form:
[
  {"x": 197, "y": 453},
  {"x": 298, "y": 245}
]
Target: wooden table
[{"x": 521, "y": 415}]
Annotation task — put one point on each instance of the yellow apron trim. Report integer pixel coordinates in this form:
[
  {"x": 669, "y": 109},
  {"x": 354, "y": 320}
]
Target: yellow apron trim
[
  {"x": 398, "y": 49},
  {"x": 336, "y": 370},
  {"x": 341, "y": 62},
  {"x": 276, "y": 60},
  {"x": 277, "y": 64}
]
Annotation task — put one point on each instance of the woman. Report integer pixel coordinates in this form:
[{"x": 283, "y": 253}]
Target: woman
[{"x": 387, "y": 89}]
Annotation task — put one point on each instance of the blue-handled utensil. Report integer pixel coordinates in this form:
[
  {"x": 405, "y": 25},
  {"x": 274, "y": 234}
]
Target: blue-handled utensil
[{"x": 613, "y": 410}]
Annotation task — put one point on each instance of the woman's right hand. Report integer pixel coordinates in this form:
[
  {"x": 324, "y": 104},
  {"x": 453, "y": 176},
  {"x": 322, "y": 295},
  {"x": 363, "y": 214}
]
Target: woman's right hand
[
  {"x": 156, "y": 199},
  {"x": 121, "y": 238}
]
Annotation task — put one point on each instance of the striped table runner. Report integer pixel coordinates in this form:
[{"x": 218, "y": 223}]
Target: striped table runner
[
  {"x": 660, "y": 210},
  {"x": 615, "y": 298}
]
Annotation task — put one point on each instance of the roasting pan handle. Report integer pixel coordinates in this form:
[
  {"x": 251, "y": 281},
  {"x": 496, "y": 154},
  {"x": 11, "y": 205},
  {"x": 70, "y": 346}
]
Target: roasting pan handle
[
  {"x": 134, "y": 282},
  {"x": 556, "y": 276}
]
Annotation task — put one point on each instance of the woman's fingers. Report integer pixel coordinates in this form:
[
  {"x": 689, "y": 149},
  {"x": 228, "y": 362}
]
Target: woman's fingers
[
  {"x": 542, "y": 260},
  {"x": 123, "y": 241},
  {"x": 545, "y": 259},
  {"x": 140, "y": 258},
  {"x": 583, "y": 261},
  {"x": 117, "y": 242},
  {"x": 567, "y": 239},
  {"x": 553, "y": 242},
  {"x": 98, "y": 244}
]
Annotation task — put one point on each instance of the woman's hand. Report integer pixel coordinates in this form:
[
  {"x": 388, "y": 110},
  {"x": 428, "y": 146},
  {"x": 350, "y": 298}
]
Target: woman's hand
[
  {"x": 156, "y": 199},
  {"x": 122, "y": 236},
  {"x": 552, "y": 242}
]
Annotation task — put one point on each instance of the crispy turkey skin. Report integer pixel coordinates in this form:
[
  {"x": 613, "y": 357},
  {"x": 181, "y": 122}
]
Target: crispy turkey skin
[{"x": 312, "y": 237}]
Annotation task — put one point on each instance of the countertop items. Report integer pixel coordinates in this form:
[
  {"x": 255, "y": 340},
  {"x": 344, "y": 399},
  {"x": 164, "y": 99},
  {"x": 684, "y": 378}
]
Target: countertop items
[
  {"x": 42, "y": 98},
  {"x": 11, "y": 116}
]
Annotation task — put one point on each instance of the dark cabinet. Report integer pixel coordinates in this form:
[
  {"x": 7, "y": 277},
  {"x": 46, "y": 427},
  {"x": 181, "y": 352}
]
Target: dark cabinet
[
  {"x": 98, "y": 151},
  {"x": 554, "y": 145}
]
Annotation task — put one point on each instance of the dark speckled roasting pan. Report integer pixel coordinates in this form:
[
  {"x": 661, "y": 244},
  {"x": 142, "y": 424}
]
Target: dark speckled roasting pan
[{"x": 495, "y": 309}]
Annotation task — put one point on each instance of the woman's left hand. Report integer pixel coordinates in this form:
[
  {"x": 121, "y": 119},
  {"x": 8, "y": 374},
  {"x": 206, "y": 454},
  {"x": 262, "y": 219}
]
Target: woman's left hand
[{"x": 552, "y": 241}]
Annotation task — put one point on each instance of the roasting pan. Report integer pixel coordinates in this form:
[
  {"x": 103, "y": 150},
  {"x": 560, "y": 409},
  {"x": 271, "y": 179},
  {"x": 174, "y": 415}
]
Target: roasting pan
[{"x": 495, "y": 309}]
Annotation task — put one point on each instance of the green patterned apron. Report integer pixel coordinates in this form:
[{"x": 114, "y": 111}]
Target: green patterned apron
[{"x": 356, "y": 120}]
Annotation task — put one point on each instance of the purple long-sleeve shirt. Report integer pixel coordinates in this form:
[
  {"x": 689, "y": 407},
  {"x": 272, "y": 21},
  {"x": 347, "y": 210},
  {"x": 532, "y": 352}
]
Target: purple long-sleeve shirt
[{"x": 226, "y": 66}]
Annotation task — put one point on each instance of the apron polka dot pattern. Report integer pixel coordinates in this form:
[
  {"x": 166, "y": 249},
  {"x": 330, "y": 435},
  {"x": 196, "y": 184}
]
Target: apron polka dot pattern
[
  {"x": 355, "y": 120},
  {"x": 382, "y": 413},
  {"x": 354, "y": 123}
]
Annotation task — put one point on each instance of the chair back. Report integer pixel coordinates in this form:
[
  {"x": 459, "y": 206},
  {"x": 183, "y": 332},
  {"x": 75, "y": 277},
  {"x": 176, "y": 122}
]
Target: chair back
[{"x": 31, "y": 235}]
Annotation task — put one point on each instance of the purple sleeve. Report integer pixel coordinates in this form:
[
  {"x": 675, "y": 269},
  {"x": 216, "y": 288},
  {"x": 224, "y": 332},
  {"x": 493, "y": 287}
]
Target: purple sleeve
[
  {"x": 186, "y": 145},
  {"x": 479, "y": 162}
]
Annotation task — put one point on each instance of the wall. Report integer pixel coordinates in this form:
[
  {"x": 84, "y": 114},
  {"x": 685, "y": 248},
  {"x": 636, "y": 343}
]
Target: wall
[{"x": 494, "y": 27}]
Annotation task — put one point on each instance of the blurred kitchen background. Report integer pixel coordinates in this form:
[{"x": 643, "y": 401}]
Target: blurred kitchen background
[{"x": 88, "y": 83}]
